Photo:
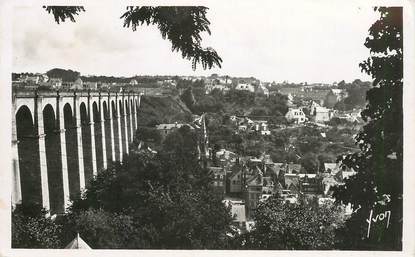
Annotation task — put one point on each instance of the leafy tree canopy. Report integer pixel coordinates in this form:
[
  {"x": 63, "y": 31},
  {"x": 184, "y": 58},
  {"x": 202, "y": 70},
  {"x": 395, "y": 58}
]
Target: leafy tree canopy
[
  {"x": 380, "y": 159},
  {"x": 32, "y": 229},
  {"x": 65, "y": 75},
  {"x": 284, "y": 226},
  {"x": 165, "y": 201}
]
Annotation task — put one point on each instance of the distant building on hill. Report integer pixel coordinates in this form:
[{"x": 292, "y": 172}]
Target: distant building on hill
[
  {"x": 224, "y": 80},
  {"x": 34, "y": 79},
  {"x": 210, "y": 87},
  {"x": 245, "y": 87},
  {"x": 78, "y": 84},
  {"x": 55, "y": 82},
  {"x": 261, "y": 127},
  {"x": 296, "y": 115},
  {"x": 322, "y": 114},
  {"x": 90, "y": 85}
]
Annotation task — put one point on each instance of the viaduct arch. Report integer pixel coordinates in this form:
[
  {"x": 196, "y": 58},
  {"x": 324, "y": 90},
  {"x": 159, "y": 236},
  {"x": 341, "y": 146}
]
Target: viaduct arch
[{"x": 61, "y": 140}]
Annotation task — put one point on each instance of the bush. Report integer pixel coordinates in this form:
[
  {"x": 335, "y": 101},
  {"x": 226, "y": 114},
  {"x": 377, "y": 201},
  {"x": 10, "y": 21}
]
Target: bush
[
  {"x": 31, "y": 228},
  {"x": 284, "y": 226}
]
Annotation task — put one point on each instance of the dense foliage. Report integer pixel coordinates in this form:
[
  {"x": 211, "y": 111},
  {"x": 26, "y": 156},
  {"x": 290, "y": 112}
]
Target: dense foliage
[
  {"x": 161, "y": 201},
  {"x": 356, "y": 95},
  {"x": 236, "y": 102},
  {"x": 378, "y": 183},
  {"x": 188, "y": 98},
  {"x": 65, "y": 75},
  {"x": 156, "y": 110},
  {"x": 285, "y": 226},
  {"x": 148, "y": 134},
  {"x": 32, "y": 229}
]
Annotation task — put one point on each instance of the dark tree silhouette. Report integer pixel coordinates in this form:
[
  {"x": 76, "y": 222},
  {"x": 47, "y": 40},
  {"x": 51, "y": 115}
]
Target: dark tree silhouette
[
  {"x": 181, "y": 25},
  {"x": 65, "y": 75},
  {"x": 188, "y": 98},
  {"x": 378, "y": 183},
  {"x": 61, "y": 13}
]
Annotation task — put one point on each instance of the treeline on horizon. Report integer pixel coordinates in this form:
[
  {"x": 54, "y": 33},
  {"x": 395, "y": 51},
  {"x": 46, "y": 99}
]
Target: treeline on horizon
[{"x": 69, "y": 75}]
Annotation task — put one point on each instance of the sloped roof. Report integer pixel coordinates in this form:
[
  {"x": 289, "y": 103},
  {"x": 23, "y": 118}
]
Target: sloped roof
[
  {"x": 254, "y": 180},
  {"x": 291, "y": 179},
  {"x": 274, "y": 168},
  {"x": 237, "y": 168},
  {"x": 216, "y": 170},
  {"x": 292, "y": 187},
  {"x": 278, "y": 186},
  {"x": 78, "y": 243}
]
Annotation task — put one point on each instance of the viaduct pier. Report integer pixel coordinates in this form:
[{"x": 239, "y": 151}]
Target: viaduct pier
[{"x": 61, "y": 140}]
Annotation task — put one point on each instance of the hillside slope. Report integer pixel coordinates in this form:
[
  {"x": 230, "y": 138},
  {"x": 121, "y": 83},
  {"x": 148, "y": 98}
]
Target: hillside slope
[{"x": 162, "y": 109}]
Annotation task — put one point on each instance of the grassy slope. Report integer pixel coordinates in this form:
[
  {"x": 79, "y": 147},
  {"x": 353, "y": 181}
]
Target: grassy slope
[{"x": 165, "y": 109}]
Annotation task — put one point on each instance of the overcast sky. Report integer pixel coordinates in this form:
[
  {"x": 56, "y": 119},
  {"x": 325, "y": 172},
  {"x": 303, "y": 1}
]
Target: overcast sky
[{"x": 314, "y": 42}]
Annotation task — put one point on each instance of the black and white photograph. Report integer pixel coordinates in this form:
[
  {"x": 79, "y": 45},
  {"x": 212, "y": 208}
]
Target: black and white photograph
[{"x": 238, "y": 125}]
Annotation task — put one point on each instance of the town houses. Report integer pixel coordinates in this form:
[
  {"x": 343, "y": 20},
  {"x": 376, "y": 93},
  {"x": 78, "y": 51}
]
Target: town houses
[
  {"x": 296, "y": 115},
  {"x": 243, "y": 181},
  {"x": 245, "y": 87},
  {"x": 246, "y": 181}
]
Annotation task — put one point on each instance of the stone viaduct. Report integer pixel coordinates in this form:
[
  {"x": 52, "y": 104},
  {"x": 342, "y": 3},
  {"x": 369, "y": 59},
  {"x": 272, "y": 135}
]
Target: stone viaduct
[{"x": 61, "y": 140}]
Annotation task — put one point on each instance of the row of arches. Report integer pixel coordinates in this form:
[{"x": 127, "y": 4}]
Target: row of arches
[{"x": 61, "y": 149}]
